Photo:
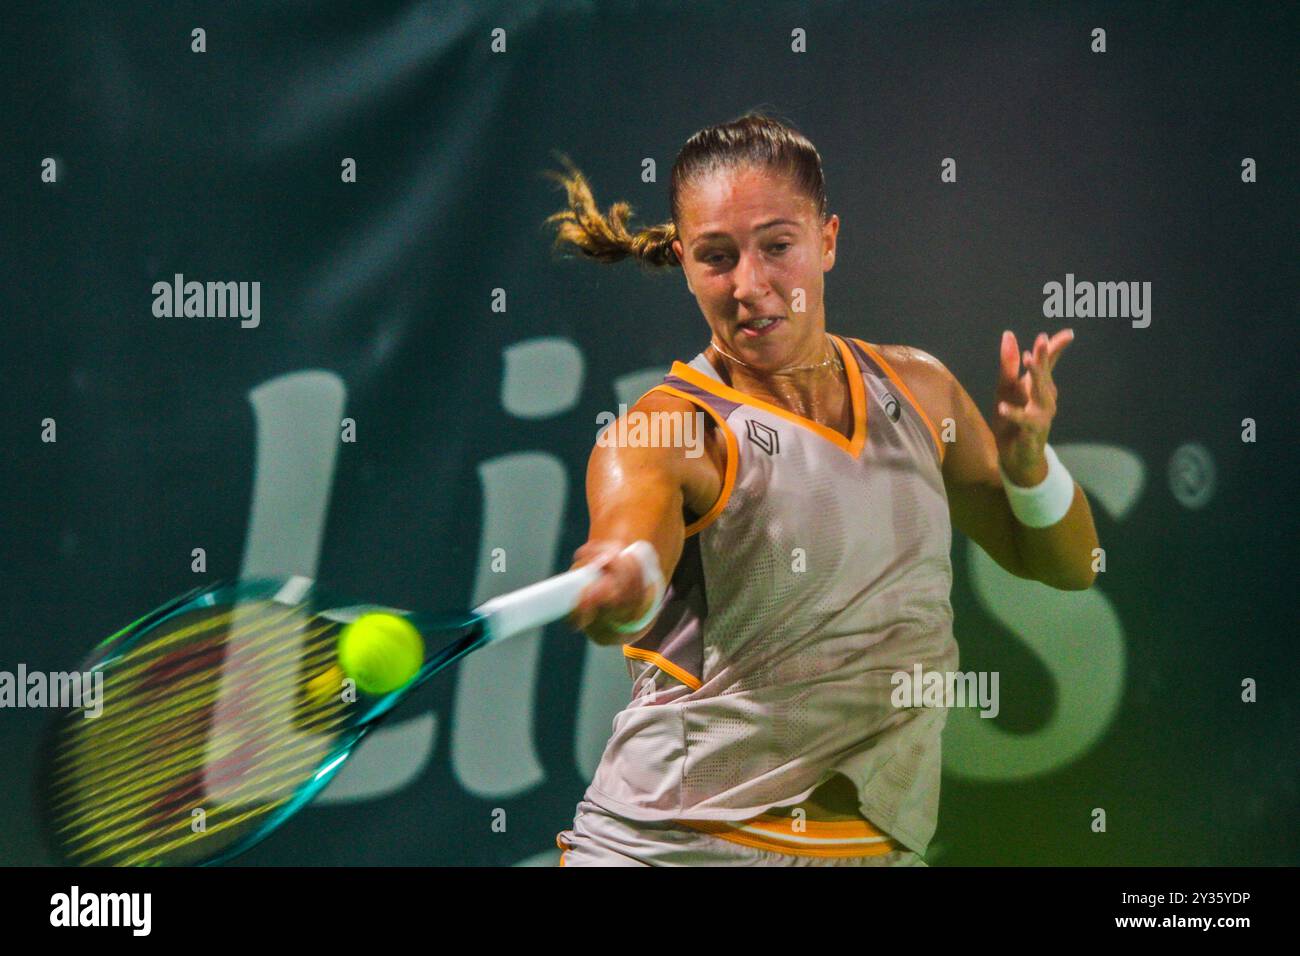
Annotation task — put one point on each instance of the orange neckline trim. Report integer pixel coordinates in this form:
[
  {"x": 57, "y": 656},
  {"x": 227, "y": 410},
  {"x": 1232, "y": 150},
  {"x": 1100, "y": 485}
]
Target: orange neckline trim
[{"x": 857, "y": 390}]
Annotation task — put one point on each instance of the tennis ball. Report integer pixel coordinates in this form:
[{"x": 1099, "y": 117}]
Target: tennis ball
[{"x": 381, "y": 652}]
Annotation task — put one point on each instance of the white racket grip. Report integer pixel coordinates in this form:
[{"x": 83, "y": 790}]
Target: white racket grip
[{"x": 537, "y": 604}]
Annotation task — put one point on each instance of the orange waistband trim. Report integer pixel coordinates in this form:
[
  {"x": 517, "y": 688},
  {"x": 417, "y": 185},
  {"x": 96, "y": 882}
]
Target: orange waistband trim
[
  {"x": 664, "y": 664},
  {"x": 820, "y": 838}
]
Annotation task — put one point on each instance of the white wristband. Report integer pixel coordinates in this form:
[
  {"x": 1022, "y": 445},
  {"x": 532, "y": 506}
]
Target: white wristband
[
  {"x": 645, "y": 552},
  {"x": 1046, "y": 502}
]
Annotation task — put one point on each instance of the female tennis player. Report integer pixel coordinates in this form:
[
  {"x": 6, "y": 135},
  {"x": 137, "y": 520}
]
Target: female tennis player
[{"x": 767, "y": 591}]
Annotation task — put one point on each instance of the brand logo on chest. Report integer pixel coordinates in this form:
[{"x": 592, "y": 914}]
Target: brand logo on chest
[{"x": 763, "y": 436}]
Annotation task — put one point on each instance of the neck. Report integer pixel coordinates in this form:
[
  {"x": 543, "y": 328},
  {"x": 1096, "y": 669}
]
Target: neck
[
  {"x": 825, "y": 364},
  {"x": 820, "y": 394}
]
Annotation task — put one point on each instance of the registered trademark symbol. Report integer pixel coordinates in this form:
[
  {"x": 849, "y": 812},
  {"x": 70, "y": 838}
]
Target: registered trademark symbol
[{"x": 1191, "y": 475}]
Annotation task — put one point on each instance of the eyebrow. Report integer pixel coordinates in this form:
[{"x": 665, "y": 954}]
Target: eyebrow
[{"x": 767, "y": 225}]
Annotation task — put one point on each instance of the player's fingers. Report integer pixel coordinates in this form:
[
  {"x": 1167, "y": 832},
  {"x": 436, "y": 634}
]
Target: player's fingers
[
  {"x": 1034, "y": 354},
  {"x": 1058, "y": 345},
  {"x": 1041, "y": 354},
  {"x": 618, "y": 588},
  {"x": 1044, "y": 389},
  {"x": 1014, "y": 395},
  {"x": 587, "y": 612},
  {"x": 1038, "y": 381},
  {"x": 1009, "y": 367},
  {"x": 581, "y": 614},
  {"x": 1024, "y": 393},
  {"x": 626, "y": 583},
  {"x": 591, "y": 596},
  {"x": 1012, "y": 413},
  {"x": 578, "y": 618}
]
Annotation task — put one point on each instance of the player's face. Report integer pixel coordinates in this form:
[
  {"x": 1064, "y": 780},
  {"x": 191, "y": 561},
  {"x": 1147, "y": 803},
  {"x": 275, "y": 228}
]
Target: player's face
[{"x": 753, "y": 247}]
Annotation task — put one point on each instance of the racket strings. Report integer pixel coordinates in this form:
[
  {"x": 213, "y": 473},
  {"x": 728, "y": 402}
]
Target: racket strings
[
  {"x": 123, "y": 742},
  {"x": 217, "y": 714}
]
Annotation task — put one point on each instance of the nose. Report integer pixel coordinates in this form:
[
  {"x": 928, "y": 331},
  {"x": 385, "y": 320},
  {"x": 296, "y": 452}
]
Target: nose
[{"x": 749, "y": 278}]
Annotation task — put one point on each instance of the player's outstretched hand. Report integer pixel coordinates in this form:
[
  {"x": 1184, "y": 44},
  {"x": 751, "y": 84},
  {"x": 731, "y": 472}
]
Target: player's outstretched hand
[{"x": 1026, "y": 405}]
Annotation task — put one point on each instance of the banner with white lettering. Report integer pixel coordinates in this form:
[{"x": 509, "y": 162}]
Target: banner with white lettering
[{"x": 280, "y": 300}]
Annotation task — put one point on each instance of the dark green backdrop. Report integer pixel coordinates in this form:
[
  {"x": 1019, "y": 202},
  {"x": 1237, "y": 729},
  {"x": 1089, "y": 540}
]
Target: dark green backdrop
[{"x": 473, "y": 423}]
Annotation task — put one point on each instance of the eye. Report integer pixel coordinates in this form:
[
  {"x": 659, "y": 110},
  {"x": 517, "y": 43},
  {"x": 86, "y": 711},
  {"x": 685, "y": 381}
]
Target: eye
[{"x": 781, "y": 246}]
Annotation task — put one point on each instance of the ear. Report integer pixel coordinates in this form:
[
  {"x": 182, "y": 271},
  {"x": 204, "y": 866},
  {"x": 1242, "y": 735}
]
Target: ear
[{"x": 829, "y": 233}]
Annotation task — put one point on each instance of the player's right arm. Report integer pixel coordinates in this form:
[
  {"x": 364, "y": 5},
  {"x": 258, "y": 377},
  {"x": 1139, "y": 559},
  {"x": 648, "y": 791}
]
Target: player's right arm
[{"x": 633, "y": 493}]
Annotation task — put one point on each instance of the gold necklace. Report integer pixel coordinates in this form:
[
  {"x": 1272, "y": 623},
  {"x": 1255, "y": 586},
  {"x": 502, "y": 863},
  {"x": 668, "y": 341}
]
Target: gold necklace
[{"x": 835, "y": 357}]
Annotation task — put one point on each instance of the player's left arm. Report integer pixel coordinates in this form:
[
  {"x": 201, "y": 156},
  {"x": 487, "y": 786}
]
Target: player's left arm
[{"x": 1061, "y": 555}]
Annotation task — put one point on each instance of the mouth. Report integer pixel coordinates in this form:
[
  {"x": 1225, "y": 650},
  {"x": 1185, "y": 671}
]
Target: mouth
[{"x": 763, "y": 325}]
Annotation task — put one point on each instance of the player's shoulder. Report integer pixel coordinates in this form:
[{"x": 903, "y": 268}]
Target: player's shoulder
[
  {"x": 661, "y": 400},
  {"x": 910, "y": 360},
  {"x": 656, "y": 413},
  {"x": 926, "y": 377}
]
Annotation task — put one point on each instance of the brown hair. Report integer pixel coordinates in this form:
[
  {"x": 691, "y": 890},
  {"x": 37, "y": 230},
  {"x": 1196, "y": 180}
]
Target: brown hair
[{"x": 754, "y": 139}]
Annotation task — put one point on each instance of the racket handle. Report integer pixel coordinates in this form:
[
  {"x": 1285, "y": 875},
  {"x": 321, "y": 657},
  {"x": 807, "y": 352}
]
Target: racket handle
[{"x": 537, "y": 604}]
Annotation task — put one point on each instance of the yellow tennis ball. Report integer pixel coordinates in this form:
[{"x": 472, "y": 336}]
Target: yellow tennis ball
[{"x": 381, "y": 652}]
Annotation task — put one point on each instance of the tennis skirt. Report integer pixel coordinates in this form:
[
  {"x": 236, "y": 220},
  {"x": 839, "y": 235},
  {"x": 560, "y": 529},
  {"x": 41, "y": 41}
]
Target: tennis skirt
[{"x": 601, "y": 838}]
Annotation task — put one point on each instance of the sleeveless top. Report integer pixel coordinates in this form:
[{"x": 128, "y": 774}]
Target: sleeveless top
[{"x": 821, "y": 571}]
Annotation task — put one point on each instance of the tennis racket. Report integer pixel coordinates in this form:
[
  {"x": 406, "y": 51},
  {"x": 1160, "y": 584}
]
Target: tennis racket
[{"x": 223, "y": 713}]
